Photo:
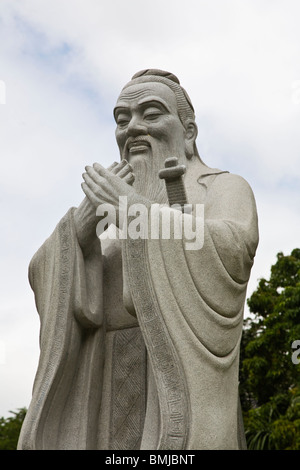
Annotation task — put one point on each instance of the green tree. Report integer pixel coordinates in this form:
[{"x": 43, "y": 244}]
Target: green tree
[
  {"x": 270, "y": 380},
  {"x": 10, "y": 429}
]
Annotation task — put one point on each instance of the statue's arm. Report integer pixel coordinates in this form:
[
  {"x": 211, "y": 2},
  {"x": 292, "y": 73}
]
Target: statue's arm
[
  {"x": 64, "y": 269},
  {"x": 231, "y": 219},
  {"x": 85, "y": 221}
]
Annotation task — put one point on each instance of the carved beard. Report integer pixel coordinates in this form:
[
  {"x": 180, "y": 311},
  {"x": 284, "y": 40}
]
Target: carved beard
[
  {"x": 146, "y": 167},
  {"x": 147, "y": 182}
]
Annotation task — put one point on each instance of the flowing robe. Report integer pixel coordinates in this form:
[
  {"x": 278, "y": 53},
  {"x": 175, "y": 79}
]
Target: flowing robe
[{"x": 140, "y": 340}]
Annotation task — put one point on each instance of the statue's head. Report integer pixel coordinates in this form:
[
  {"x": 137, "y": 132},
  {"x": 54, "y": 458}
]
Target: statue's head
[
  {"x": 162, "y": 85},
  {"x": 155, "y": 120}
]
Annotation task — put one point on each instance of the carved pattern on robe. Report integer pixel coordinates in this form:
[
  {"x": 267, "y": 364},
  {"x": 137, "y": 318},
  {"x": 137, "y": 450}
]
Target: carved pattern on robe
[
  {"x": 169, "y": 377},
  {"x": 128, "y": 389}
]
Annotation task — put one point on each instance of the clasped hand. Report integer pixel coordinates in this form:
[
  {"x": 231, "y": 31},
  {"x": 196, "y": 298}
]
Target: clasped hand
[{"x": 104, "y": 186}]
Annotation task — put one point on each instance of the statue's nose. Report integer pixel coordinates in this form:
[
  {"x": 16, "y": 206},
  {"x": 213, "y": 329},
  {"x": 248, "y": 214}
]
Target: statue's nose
[{"x": 135, "y": 128}]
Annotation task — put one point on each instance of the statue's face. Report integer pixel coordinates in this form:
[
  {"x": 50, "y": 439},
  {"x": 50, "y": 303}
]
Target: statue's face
[{"x": 148, "y": 125}]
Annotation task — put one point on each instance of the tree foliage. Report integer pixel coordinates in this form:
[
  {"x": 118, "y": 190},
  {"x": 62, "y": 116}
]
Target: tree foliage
[
  {"x": 269, "y": 379},
  {"x": 10, "y": 429}
]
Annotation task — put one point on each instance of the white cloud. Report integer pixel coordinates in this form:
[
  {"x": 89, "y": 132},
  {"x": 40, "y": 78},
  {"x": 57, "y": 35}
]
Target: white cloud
[{"x": 63, "y": 64}]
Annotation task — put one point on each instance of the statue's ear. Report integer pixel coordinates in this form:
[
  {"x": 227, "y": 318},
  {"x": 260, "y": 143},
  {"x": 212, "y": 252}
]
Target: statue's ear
[{"x": 191, "y": 132}]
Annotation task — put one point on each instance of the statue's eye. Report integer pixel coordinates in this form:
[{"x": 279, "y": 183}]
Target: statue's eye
[
  {"x": 152, "y": 114},
  {"x": 123, "y": 120}
]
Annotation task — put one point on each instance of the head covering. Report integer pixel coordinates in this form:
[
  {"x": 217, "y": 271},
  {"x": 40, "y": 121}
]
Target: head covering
[{"x": 184, "y": 104}]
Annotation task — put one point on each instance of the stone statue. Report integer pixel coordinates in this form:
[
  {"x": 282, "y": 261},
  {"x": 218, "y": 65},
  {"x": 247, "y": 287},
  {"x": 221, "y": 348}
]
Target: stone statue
[{"x": 140, "y": 336}]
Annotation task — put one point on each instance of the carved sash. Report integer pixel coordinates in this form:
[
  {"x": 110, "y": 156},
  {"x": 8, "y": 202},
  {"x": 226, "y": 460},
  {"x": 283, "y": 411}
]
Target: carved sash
[{"x": 167, "y": 370}]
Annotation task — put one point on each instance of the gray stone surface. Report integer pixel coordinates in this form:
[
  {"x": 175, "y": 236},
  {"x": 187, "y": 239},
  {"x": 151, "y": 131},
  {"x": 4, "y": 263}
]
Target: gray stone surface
[{"x": 140, "y": 337}]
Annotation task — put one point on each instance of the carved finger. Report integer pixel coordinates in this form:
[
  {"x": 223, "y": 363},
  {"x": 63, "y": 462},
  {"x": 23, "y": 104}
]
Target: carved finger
[
  {"x": 101, "y": 170},
  {"x": 94, "y": 175},
  {"x": 103, "y": 176},
  {"x": 110, "y": 183},
  {"x": 113, "y": 168},
  {"x": 122, "y": 163},
  {"x": 89, "y": 194},
  {"x": 125, "y": 170},
  {"x": 129, "y": 178},
  {"x": 92, "y": 184}
]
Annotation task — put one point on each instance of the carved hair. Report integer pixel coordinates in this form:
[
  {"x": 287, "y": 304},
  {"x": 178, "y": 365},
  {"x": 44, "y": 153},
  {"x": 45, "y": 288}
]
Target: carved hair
[{"x": 184, "y": 104}]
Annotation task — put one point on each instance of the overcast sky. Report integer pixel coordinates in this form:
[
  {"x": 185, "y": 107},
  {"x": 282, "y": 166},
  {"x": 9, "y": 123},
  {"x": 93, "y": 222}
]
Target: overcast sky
[{"x": 63, "y": 63}]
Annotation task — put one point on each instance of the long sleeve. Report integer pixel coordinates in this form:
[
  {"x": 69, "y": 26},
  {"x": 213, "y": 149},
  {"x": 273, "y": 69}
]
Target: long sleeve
[
  {"x": 190, "y": 304},
  {"x": 62, "y": 281}
]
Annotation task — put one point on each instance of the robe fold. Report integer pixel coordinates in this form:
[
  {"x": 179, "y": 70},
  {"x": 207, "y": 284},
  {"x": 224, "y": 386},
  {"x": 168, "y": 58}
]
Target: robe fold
[{"x": 140, "y": 341}]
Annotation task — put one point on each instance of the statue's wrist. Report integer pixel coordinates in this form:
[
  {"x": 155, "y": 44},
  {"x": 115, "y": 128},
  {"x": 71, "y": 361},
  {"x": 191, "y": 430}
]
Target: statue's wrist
[{"x": 85, "y": 221}]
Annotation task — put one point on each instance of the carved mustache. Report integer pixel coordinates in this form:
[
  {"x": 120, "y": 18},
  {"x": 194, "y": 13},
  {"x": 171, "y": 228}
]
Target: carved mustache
[{"x": 135, "y": 141}]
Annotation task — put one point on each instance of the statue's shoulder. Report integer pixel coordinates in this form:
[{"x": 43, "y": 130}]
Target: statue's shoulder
[
  {"x": 223, "y": 180},
  {"x": 229, "y": 190},
  {"x": 204, "y": 183}
]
